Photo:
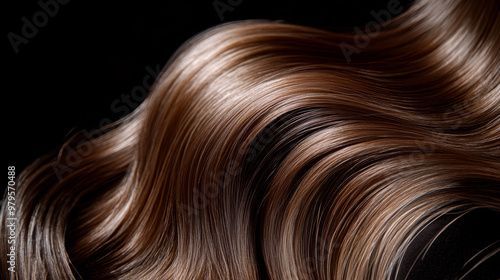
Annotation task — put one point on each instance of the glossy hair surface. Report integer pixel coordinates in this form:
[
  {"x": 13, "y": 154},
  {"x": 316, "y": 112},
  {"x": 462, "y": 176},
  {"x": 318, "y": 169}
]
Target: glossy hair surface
[{"x": 268, "y": 150}]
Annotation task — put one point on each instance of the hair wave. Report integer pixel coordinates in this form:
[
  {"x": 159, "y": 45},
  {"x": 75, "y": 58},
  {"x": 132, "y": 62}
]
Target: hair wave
[{"x": 262, "y": 153}]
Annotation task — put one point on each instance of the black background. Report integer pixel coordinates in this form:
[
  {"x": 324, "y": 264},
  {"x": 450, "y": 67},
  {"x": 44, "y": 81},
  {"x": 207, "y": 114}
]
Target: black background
[{"x": 90, "y": 53}]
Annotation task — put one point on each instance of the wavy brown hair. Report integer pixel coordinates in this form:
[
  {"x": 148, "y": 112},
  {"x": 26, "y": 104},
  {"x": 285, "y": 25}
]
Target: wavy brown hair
[{"x": 269, "y": 150}]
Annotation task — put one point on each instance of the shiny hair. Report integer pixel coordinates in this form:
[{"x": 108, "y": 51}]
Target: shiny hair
[{"x": 267, "y": 150}]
